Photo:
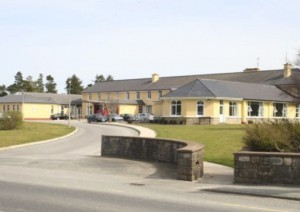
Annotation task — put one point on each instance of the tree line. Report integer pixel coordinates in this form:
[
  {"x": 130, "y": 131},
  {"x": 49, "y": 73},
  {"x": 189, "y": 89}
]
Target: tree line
[{"x": 28, "y": 84}]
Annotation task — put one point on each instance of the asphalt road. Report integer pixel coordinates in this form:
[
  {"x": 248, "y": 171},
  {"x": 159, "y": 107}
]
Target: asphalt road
[{"x": 69, "y": 175}]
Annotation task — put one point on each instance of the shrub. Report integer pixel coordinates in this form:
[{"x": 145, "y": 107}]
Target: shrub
[
  {"x": 11, "y": 120},
  {"x": 278, "y": 136}
]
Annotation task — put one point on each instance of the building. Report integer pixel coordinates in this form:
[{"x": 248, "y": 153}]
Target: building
[
  {"x": 39, "y": 106},
  {"x": 237, "y": 97}
]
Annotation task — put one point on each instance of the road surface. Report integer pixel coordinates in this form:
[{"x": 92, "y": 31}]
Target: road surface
[{"x": 69, "y": 175}]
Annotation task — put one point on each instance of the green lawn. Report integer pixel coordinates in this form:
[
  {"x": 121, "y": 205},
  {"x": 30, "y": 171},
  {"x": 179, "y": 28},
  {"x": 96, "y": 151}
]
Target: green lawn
[
  {"x": 32, "y": 132},
  {"x": 220, "y": 140}
]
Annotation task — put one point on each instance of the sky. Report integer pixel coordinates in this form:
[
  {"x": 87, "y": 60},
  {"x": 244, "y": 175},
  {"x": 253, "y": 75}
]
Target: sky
[{"x": 131, "y": 39}]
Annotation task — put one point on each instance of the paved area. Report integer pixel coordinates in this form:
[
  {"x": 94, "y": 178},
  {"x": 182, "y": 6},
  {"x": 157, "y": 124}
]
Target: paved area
[{"x": 218, "y": 178}]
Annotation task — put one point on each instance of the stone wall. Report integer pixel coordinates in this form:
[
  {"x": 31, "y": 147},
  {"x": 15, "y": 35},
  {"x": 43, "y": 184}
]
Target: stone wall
[
  {"x": 188, "y": 156},
  {"x": 266, "y": 168}
]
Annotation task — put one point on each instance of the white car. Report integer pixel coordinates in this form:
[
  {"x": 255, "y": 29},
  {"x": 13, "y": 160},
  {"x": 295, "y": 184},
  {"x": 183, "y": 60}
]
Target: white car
[{"x": 145, "y": 117}]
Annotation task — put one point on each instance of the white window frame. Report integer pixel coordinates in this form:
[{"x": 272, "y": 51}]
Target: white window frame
[
  {"x": 149, "y": 96},
  {"x": 233, "y": 109},
  {"x": 298, "y": 111},
  {"x": 276, "y": 110},
  {"x": 148, "y": 108},
  {"x": 200, "y": 103},
  {"x": 176, "y": 107},
  {"x": 260, "y": 112}
]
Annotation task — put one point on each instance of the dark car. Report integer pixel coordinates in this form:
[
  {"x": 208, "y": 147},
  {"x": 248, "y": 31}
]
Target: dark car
[
  {"x": 96, "y": 118},
  {"x": 128, "y": 117},
  {"x": 58, "y": 116}
]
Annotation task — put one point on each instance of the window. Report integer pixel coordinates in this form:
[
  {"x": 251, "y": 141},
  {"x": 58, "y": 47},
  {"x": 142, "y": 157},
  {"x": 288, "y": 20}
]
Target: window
[
  {"x": 7, "y": 107},
  {"x": 89, "y": 109},
  {"x": 221, "y": 107},
  {"x": 200, "y": 108},
  {"x": 176, "y": 108},
  {"x": 99, "y": 96},
  {"x": 159, "y": 94},
  {"x": 149, "y": 95},
  {"x": 298, "y": 111},
  {"x": 232, "y": 109},
  {"x": 255, "y": 109},
  {"x": 140, "y": 108},
  {"x": 14, "y": 107},
  {"x": 90, "y": 96},
  {"x": 148, "y": 109},
  {"x": 127, "y": 95},
  {"x": 138, "y": 95},
  {"x": 18, "y": 107},
  {"x": 279, "y": 110},
  {"x": 3, "y": 108}
]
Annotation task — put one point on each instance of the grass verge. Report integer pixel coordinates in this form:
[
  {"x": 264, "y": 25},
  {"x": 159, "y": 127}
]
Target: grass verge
[
  {"x": 32, "y": 132},
  {"x": 220, "y": 140}
]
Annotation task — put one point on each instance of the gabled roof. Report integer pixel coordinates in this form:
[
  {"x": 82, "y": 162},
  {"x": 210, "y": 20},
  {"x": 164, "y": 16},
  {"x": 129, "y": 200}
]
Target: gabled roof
[
  {"x": 270, "y": 77},
  {"x": 43, "y": 98},
  {"x": 207, "y": 88}
]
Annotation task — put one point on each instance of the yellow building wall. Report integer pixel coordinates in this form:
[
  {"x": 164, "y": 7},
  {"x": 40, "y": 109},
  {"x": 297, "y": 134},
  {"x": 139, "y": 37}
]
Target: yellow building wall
[
  {"x": 189, "y": 107},
  {"x": 129, "y": 109},
  {"x": 291, "y": 110},
  {"x": 157, "y": 109},
  {"x": 40, "y": 111},
  {"x": 11, "y": 106}
]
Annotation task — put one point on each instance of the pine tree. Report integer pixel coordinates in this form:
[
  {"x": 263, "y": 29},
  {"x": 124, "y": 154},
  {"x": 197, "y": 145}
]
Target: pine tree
[
  {"x": 74, "y": 85},
  {"x": 50, "y": 85}
]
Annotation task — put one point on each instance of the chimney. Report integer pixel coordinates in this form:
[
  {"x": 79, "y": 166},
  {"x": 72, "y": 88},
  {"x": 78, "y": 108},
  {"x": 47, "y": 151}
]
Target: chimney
[
  {"x": 287, "y": 71},
  {"x": 155, "y": 78}
]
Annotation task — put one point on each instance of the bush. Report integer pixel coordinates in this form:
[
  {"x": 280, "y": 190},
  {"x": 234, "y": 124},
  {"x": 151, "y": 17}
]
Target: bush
[
  {"x": 278, "y": 136},
  {"x": 11, "y": 120}
]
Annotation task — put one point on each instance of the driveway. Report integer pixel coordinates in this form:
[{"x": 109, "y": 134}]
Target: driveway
[{"x": 69, "y": 175}]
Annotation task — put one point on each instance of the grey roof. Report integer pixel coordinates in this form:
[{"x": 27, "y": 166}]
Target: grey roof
[
  {"x": 270, "y": 77},
  {"x": 43, "y": 98},
  {"x": 207, "y": 88}
]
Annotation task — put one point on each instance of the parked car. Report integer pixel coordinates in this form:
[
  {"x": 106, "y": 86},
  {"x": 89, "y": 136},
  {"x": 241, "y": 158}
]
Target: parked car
[
  {"x": 115, "y": 117},
  {"x": 128, "y": 117},
  {"x": 96, "y": 118},
  {"x": 144, "y": 117},
  {"x": 58, "y": 116}
]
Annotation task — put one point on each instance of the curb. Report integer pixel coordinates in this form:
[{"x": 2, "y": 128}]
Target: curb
[
  {"x": 251, "y": 194},
  {"x": 135, "y": 128}
]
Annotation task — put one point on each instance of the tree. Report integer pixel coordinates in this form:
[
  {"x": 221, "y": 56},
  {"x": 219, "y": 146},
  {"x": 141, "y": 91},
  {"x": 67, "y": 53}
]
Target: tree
[
  {"x": 50, "y": 85},
  {"x": 39, "y": 84},
  {"x": 18, "y": 85},
  {"x": 109, "y": 78},
  {"x": 74, "y": 85},
  {"x": 28, "y": 85},
  {"x": 99, "y": 78},
  {"x": 3, "y": 91}
]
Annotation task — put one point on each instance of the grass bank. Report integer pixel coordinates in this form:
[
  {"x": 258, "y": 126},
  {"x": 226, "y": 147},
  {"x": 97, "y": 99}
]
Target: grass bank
[
  {"x": 220, "y": 140},
  {"x": 32, "y": 132}
]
